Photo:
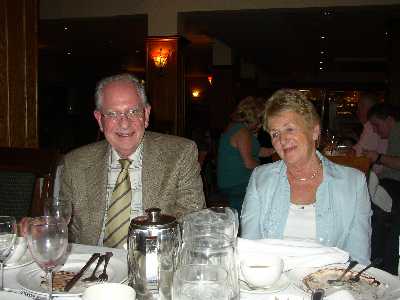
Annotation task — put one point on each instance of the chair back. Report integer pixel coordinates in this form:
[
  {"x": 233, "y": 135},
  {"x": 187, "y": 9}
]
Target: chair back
[
  {"x": 26, "y": 178},
  {"x": 361, "y": 163}
]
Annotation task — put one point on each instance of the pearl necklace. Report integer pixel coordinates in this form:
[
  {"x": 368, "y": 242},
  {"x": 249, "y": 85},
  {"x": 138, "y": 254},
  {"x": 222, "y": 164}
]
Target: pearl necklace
[{"x": 313, "y": 175}]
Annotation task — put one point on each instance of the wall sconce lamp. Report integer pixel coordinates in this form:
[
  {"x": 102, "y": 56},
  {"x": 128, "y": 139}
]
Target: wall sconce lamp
[
  {"x": 196, "y": 93},
  {"x": 210, "y": 78},
  {"x": 160, "y": 57}
]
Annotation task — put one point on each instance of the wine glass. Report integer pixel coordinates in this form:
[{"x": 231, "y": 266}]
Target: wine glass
[
  {"x": 58, "y": 208},
  {"x": 8, "y": 234},
  {"x": 47, "y": 242}
]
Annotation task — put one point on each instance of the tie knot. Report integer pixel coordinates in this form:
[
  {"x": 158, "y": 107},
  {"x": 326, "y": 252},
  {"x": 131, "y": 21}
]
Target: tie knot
[{"x": 125, "y": 163}]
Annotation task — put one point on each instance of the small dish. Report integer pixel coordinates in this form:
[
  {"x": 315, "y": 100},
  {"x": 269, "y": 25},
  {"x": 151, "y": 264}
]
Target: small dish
[{"x": 282, "y": 283}]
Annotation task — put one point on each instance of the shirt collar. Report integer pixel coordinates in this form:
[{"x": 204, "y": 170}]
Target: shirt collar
[{"x": 134, "y": 157}]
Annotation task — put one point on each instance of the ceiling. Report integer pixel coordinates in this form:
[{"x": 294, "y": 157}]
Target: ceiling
[
  {"x": 291, "y": 39},
  {"x": 356, "y": 39}
]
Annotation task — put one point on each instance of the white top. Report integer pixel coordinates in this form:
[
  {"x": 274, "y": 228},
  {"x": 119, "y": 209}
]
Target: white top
[{"x": 301, "y": 222}]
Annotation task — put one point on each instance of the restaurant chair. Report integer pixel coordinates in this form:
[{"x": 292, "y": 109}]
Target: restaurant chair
[
  {"x": 361, "y": 163},
  {"x": 26, "y": 178}
]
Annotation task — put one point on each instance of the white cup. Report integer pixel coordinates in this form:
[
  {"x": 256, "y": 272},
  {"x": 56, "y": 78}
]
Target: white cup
[
  {"x": 261, "y": 270},
  {"x": 106, "y": 291},
  {"x": 19, "y": 250}
]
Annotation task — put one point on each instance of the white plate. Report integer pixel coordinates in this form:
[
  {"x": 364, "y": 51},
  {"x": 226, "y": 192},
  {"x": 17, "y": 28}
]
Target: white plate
[
  {"x": 31, "y": 276},
  {"x": 278, "y": 286},
  {"x": 26, "y": 259},
  {"x": 388, "y": 282},
  {"x": 11, "y": 296}
]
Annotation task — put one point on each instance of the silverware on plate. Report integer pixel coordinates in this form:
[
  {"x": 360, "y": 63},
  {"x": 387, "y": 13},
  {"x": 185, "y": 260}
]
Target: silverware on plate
[
  {"x": 316, "y": 294},
  {"x": 339, "y": 281},
  {"x": 103, "y": 277},
  {"x": 377, "y": 261},
  {"x": 93, "y": 277},
  {"x": 74, "y": 279}
]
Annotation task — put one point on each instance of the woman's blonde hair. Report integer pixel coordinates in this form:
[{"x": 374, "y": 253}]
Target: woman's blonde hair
[
  {"x": 249, "y": 111},
  {"x": 291, "y": 100}
]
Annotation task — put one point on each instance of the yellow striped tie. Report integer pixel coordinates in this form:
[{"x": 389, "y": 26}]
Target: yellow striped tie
[{"x": 117, "y": 224}]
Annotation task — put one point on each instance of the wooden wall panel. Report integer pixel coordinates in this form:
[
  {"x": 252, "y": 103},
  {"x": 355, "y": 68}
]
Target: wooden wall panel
[
  {"x": 31, "y": 34},
  {"x": 18, "y": 85},
  {"x": 165, "y": 88},
  {"x": 4, "y": 119}
]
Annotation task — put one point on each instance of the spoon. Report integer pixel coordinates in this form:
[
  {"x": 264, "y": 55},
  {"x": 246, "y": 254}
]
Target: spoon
[
  {"x": 375, "y": 262},
  {"x": 339, "y": 281}
]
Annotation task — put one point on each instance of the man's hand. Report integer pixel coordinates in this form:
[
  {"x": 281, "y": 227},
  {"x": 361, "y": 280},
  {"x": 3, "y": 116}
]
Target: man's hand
[{"x": 23, "y": 226}]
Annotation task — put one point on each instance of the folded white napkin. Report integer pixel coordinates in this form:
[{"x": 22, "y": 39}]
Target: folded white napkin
[
  {"x": 340, "y": 295},
  {"x": 295, "y": 254}
]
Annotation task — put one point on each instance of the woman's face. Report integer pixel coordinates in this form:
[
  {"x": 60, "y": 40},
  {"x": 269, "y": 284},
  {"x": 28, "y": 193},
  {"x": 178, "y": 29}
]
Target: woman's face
[{"x": 292, "y": 138}]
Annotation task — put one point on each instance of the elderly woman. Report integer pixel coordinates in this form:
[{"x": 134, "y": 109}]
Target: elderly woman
[
  {"x": 239, "y": 150},
  {"x": 304, "y": 195}
]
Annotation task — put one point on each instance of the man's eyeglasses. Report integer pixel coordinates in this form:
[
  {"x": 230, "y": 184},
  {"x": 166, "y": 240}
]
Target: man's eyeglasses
[{"x": 131, "y": 114}]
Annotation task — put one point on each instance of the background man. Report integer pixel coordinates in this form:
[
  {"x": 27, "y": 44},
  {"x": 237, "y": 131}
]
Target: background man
[
  {"x": 112, "y": 181},
  {"x": 369, "y": 139},
  {"x": 386, "y": 227}
]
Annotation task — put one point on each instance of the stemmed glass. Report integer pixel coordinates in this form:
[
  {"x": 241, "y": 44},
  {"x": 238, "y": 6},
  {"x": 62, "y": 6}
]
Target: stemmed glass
[
  {"x": 8, "y": 234},
  {"x": 47, "y": 242},
  {"x": 58, "y": 208}
]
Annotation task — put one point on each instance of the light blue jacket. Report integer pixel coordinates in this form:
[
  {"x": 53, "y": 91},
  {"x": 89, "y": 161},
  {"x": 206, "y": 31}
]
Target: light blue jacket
[{"x": 343, "y": 209}]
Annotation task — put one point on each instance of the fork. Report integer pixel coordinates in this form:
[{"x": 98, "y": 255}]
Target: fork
[
  {"x": 375, "y": 262},
  {"x": 339, "y": 281},
  {"x": 93, "y": 277},
  {"x": 103, "y": 276}
]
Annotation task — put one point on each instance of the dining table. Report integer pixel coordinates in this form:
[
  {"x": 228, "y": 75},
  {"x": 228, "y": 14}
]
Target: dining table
[{"x": 12, "y": 280}]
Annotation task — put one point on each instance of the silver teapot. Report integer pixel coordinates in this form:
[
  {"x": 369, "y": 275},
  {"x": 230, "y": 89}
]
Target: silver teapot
[{"x": 153, "y": 246}]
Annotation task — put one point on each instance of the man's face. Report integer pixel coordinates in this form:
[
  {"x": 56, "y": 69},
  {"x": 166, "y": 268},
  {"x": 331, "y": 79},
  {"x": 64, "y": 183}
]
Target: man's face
[
  {"x": 381, "y": 127},
  {"x": 122, "y": 117}
]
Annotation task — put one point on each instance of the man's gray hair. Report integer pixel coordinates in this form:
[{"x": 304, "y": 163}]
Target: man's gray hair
[{"x": 120, "y": 77}]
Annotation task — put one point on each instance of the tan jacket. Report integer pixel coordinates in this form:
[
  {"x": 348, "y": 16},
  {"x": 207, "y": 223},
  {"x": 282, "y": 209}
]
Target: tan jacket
[{"x": 170, "y": 180}]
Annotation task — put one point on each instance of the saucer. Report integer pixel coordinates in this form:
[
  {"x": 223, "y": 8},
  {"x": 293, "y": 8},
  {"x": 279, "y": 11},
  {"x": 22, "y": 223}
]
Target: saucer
[{"x": 280, "y": 285}]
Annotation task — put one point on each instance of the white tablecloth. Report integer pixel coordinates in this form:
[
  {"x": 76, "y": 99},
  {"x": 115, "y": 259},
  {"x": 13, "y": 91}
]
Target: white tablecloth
[
  {"x": 10, "y": 280},
  {"x": 10, "y": 275}
]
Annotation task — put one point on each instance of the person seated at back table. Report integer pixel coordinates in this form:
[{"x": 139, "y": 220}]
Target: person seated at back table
[
  {"x": 305, "y": 195},
  {"x": 239, "y": 150},
  {"x": 114, "y": 180},
  {"x": 385, "y": 120},
  {"x": 369, "y": 139}
]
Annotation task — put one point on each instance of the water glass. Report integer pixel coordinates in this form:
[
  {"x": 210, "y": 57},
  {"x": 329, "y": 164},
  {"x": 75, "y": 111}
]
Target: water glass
[
  {"x": 214, "y": 220},
  {"x": 47, "y": 242},
  {"x": 214, "y": 250},
  {"x": 8, "y": 233},
  {"x": 200, "y": 282},
  {"x": 58, "y": 208}
]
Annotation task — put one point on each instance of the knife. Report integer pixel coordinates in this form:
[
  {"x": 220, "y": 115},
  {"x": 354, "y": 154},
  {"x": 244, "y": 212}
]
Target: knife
[{"x": 74, "y": 279}]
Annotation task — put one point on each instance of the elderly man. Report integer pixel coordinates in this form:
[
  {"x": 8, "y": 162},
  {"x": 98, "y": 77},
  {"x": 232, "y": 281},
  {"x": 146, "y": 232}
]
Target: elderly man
[
  {"x": 112, "y": 181},
  {"x": 385, "y": 241}
]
